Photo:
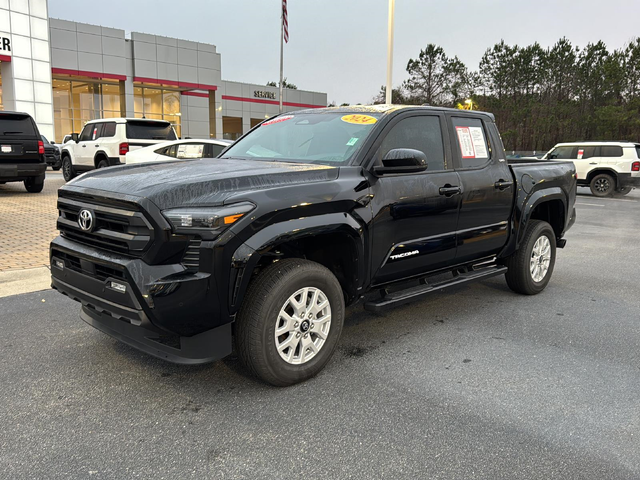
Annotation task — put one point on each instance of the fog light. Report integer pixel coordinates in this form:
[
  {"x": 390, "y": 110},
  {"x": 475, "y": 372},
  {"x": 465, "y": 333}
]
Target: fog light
[
  {"x": 59, "y": 264},
  {"x": 118, "y": 287}
]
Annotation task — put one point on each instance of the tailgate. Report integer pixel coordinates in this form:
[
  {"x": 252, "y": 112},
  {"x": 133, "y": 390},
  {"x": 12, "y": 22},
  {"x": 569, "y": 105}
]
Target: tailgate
[{"x": 18, "y": 139}]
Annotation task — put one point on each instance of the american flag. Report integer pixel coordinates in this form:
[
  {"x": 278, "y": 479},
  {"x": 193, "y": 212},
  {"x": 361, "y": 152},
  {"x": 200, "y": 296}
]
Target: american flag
[{"x": 285, "y": 22}]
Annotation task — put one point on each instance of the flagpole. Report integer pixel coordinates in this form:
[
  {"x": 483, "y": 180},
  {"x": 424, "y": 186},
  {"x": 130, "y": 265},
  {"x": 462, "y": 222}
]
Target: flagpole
[
  {"x": 281, "y": 51},
  {"x": 389, "y": 88}
]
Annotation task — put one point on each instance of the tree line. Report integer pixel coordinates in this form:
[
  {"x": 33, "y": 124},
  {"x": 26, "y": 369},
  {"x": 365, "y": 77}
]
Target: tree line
[{"x": 539, "y": 96}]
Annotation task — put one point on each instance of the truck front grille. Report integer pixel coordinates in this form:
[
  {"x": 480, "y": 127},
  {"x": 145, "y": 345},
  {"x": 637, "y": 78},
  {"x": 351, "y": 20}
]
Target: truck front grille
[{"x": 122, "y": 228}]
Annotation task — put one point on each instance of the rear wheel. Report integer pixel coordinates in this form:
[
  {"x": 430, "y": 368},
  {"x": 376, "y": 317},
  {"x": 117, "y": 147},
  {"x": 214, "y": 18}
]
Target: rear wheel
[
  {"x": 34, "y": 184},
  {"x": 530, "y": 268},
  {"x": 621, "y": 192},
  {"x": 68, "y": 172},
  {"x": 103, "y": 163},
  {"x": 290, "y": 321},
  {"x": 602, "y": 185}
]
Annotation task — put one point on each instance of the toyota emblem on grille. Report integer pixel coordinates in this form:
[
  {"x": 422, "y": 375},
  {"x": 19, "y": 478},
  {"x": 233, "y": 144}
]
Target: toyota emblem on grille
[{"x": 85, "y": 220}]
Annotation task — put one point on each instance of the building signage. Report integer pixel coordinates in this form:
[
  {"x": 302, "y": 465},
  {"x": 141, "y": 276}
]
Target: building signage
[
  {"x": 263, "y": 94},
  {"x": 5, "y": 44}
]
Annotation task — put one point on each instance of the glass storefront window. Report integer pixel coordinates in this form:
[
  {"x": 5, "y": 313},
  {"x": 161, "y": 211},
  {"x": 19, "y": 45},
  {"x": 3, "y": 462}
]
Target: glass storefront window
[
  {"x": 75, "y": 102},
  {"x": 158, "y": 103}
]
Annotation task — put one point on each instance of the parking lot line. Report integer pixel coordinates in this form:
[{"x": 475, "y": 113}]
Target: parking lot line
[{"x": 590, "y": 204}]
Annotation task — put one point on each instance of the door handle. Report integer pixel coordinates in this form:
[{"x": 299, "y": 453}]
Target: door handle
[
  {"x": 502, "y": 185},
  {"x": 96, "y": 145},
  {"x": 84, "y": 146},
  {"x": 449, "y": 190},
  {"x": 593, "y": 163}
]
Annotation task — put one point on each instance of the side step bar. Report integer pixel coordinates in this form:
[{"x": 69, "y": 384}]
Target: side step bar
[{"x": 405, "y": 296}]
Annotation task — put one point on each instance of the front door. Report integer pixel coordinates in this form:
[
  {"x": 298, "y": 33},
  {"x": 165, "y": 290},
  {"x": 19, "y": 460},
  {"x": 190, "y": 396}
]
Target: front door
[
  {"x": 84, "y": 148},
  {"x": 487, "y": 184},
  {"x": 415, "y": 214}
]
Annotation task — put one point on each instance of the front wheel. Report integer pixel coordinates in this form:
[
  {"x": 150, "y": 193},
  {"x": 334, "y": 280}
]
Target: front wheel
[
  {"x": 68, "y": 172},
  {"x": 290, "y": 321},
  {"x": 530, "y": 268},
  {"x": 602, "y": 185}
]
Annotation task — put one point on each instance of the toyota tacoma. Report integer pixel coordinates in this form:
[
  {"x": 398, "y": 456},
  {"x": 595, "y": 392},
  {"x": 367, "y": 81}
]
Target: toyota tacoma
[{"x": 263, "y": 247}]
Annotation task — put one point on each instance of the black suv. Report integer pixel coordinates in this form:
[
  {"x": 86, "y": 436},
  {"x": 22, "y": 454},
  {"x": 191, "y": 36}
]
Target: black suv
[
  {"x": 51, "y": 154},
  {"x": 21, "y": 151}
]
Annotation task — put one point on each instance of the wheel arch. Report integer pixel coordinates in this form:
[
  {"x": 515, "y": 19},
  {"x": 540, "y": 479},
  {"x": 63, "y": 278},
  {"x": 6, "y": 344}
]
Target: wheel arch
[
  {"x": 549, "y": 205},
  {"x": 100, "y": 155},
  {"x": 599, "y": 170},
  {"x": 334, "y": 240}
]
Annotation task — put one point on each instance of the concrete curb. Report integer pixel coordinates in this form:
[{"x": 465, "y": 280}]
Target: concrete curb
[{"x": 15, "y": 282}]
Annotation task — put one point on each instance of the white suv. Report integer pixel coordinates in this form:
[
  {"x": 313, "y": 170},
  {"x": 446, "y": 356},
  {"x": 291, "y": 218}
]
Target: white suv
[
  {"x": 105, "y": 142},
  {"x": 608, "y": 168}
]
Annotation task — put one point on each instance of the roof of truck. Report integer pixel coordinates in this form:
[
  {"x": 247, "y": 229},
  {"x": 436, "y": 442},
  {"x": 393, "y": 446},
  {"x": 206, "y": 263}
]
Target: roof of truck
[
  {"x": 387, "y": 109},
  {"x": 596, "y": 144},
  {"x": 126, "y": 119}
]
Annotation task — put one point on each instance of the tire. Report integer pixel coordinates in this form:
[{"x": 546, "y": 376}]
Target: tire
[
  {"x": 34, "y": 184},
  {"x": 103, "y": 163},
  {"x": 602, "y": 185},
  {"x": 520, "y": 273},
  {"x": 621, "y": 192},
  {"x": 271, "y": 293},
  {"x": 68, "y": 172}
]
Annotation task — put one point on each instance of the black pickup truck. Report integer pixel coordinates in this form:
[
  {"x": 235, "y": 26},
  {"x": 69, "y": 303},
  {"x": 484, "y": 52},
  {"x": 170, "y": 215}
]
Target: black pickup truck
[{"x": 264, "y": 246}]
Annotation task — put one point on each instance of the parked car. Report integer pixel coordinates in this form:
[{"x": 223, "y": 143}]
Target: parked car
[
  {"x": 266, "y": 244},
  {"x": 178, "y": 150},
  {"x": 607, "y": 168},
  {"x": 51, "y": 154},
  {"x": 22, "y": 154},
  {"x": 103, "y": 143},
  {"x": 66, "y": 138}
]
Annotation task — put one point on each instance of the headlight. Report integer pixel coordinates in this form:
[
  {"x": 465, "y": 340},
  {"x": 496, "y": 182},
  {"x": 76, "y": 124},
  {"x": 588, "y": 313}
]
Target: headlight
[{"x": 211, "y": 219}]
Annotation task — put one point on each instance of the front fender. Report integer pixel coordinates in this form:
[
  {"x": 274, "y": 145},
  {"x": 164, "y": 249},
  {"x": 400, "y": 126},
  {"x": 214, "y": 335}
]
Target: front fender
[{"x": 266, "y": 241}]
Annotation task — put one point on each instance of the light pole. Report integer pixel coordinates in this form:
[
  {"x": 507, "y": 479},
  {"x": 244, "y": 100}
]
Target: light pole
[{"x": 392, "y": 7}]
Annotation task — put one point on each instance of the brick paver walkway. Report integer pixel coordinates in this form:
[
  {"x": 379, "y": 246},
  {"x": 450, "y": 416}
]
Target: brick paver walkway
[{"x": 27, "y": 223}]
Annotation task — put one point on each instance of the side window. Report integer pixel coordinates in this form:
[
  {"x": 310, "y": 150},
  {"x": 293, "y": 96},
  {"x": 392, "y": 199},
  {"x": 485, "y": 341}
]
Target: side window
[
  {"x": 471, "y": 141},
  {"x": 420, "y": 133},
  {"x": 108, "y": 129},
  {"x": 97, "y": 131},
  {"x": 172, "y": 151},
  {"x": 587, "y": 152},
  {"x": 563, "y": 153},
  {"x": 86, "y": 133},
  {"x": 216, "y": 150},
  {"x": 610, "y": 151}
]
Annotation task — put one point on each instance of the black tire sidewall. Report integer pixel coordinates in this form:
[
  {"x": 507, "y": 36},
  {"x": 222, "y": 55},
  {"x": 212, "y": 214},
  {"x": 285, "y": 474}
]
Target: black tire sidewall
[
  {"x": 34, "y": 184},
  {"x": 64, "y": 170},
  {"x": 542, "y": 228},
  {"x": 277, "y": 370},
  {"x": 612, "y": 185},
  {"x": 102, "y": 164}
]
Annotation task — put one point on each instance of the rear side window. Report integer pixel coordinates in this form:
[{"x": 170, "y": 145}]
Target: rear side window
[
  {"x": 563, "y": 153},
  {"x": 471, "y": 142},
  {"x": 421, "y": 133},
  {"x": 108, "y": 129},
  {"x": 16, "y": 125},
  {"x": 216, "y": 149},
  {"x": 610, "y": 151},
  {"x": 142, "y": 130}
]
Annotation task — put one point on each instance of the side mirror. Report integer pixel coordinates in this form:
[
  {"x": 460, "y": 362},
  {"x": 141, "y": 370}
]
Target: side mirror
[
  {"x": 52, "y": 142},
  {"x": 402, "y": 160},
  {"x": 74, "y": 137}
]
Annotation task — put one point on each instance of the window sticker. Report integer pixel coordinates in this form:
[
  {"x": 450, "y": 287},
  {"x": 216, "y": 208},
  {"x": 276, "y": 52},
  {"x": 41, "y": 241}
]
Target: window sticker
[
  {"x": 190, "y": 151},
  {"x": 95, "y": 132},
  {"x": 580, "y": 154},
  {"x": 466, "y": 142},
  {"x": 277, "y": 120},
  {"x": 352, "y": 142},
  {"x": 359, "y": 119},
  {"x": 479, "y": 143}
]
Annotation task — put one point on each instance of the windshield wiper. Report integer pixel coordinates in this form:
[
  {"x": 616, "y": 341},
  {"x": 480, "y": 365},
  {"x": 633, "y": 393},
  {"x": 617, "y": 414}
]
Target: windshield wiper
[{"x": 10, "y": 133}]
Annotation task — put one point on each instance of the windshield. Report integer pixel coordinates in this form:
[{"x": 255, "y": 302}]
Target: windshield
[{"x": 324, "y": 138}]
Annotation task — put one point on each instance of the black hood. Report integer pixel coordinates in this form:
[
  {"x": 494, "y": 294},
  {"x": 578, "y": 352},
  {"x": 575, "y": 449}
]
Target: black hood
[{"x": 199, "y": 182}]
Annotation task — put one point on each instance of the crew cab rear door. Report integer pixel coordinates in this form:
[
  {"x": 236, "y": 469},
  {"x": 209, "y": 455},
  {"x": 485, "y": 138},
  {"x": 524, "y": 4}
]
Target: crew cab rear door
[
  {"x": 414, "y": 214},
  {"x": 487, "y": 185}
]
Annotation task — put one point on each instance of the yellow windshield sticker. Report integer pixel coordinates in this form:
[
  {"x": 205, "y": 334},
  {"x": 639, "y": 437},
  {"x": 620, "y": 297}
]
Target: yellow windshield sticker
[{"x": 360, "y": 119}]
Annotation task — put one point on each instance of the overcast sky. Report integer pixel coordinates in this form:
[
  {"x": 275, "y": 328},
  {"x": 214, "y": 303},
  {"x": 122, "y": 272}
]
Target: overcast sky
[{"x": 339, "y": 46}]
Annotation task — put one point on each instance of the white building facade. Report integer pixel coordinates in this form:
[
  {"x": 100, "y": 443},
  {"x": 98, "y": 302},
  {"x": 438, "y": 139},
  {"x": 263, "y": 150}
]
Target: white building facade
[{"x": 65, "y": 73}]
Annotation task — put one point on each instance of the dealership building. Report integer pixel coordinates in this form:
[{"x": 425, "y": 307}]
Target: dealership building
[{"x": 65, "y": 73}]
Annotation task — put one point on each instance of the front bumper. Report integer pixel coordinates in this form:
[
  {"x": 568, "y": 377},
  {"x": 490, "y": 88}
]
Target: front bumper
[
  {"x": 163, "y": 310},
  {"x": 21, "y": 171}
]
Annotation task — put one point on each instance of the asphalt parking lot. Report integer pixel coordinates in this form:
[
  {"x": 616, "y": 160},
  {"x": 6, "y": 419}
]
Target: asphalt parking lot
[{"x": 473, "y": 382}]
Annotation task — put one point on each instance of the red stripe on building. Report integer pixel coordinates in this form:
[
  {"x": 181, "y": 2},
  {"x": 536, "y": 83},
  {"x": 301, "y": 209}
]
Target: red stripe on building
[
  {"x": 5, "y": 58},
  {"x": 83, "y": 73},
  {"x": 195, "y": 94},
  {"x": 175, "y": 83},
  {"x": 270, "y": 102}
]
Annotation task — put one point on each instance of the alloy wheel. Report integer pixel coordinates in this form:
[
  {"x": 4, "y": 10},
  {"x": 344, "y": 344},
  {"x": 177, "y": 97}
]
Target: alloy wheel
[{"x": 540, "y": 259}]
